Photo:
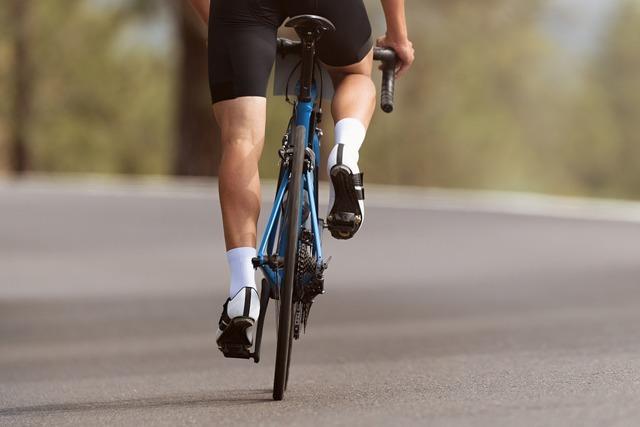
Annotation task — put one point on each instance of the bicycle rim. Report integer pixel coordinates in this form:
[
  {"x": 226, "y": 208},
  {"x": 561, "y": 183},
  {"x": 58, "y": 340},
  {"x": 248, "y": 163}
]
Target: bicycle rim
[{"x": 285, "y": 321}]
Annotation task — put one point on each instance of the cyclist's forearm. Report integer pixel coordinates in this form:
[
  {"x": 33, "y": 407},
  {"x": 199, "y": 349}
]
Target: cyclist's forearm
[
  {"x": 395, "y": 17},
  {"x": 202, "y": 7}
]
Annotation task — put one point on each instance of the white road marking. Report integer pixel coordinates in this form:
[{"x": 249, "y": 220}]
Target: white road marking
[{"x": 378, "y": 196}]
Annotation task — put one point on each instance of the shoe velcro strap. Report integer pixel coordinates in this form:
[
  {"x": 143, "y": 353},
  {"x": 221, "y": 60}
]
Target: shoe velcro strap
[
  {"x": 224, "y": 318},
  {"x": 358, "y": 179},
  {"x": 360, "y": 193},
  {"x": 247, "y": 302}
]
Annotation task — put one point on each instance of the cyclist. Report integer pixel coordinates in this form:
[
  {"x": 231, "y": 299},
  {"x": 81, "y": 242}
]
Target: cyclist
[{"x": 242, "y": 49}]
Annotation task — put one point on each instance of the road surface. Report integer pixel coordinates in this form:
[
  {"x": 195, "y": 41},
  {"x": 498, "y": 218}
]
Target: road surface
[{"x": 443, "y": 311}]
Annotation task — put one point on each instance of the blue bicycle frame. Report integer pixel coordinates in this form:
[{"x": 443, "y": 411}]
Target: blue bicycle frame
[
  {"x": 291, "y": 244},
  {"x": 275, "y": 231}
]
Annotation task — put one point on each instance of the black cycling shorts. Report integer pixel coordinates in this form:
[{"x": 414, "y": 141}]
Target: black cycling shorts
[{"x": 242, "y": 40}]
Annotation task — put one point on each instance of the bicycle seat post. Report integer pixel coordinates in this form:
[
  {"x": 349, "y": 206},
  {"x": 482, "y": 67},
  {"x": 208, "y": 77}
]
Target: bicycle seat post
[
  {"x": 306, "y": 71},
  {"x": 309, "y": 29}
]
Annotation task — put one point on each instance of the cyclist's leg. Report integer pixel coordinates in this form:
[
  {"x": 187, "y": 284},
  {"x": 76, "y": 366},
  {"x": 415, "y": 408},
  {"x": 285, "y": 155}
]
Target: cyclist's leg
[
  {"x": 242, "y": 47},
  {"x": 241, "y": 122},
  {"x": 348, "y": 55},
  {"x": 242, "y": 128},
  {"x": 352, "y": 108}
]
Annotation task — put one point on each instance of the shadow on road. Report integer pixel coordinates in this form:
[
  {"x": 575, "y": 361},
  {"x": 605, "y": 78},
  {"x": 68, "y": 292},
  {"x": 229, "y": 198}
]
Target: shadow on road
[{"x": 231, "y": 398}]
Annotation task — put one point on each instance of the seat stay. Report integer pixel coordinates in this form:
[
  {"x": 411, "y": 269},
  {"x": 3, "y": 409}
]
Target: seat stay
[
  {"x": 313, "y": 209},
  {"x": 265, "y": 250}
]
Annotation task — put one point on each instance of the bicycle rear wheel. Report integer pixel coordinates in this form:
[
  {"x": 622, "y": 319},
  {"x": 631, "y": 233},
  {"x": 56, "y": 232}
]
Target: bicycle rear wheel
[{"x": 285, "y": 317}]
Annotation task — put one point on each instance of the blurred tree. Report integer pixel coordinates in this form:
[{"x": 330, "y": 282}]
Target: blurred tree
[
  {"x": 104, "y": 92},
  {"x": 195, "y": 150},
  {"x": 468, "y": 114},
  {"x": 616, "y": 73},
  {"x": 602, "y": 147},
  {"x": 22, "y": 87},
  {"x": 5, "y": 64},
  {"x": 492, "y": 101}
]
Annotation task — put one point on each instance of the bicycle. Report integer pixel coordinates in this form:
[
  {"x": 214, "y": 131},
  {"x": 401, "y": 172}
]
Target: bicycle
[{"x": 290, "y": 253}]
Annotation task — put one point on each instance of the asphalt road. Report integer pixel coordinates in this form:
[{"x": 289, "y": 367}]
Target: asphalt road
[{"x": 437, "y": 313}]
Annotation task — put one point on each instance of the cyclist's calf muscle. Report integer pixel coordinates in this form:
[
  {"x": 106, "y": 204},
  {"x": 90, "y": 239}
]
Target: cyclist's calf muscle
[
  {"x": 242, "y": 127},
  {"x": 355, "y": 92}
]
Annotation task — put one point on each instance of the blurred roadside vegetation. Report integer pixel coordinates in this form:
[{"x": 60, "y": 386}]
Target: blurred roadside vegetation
[{"x": 493, "y": 101}]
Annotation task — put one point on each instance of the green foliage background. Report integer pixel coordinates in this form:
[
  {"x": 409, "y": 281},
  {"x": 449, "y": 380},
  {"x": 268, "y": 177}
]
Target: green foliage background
[
  {"x": 101, "y": 104},
  {"x": 492, "y": 101}
]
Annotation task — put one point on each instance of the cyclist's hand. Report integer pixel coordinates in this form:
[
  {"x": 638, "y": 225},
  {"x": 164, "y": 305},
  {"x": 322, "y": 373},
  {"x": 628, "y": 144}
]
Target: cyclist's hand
[{"x": 404, "y": 51}]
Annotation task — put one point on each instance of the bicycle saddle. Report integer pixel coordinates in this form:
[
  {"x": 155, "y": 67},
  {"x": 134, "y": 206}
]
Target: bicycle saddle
[{"x": 310, "y": 23}]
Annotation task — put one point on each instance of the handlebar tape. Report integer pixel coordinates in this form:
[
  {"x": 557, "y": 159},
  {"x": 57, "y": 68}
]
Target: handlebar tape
[{"x": 388, "y": 58}]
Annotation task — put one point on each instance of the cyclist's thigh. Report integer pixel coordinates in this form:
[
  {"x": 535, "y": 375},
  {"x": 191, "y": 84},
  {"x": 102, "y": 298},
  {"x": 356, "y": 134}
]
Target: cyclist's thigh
[
  {"x": 242, "y": 47},
  {"x": 351, "y": 42}
]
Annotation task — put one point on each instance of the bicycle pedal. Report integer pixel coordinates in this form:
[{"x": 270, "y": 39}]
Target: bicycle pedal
[
  {"x": 234, "y": 342},
  {"x": 343, "y": 225},
  {"x": 236, "y": 351}
]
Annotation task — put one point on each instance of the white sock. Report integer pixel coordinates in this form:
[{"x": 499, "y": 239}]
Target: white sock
[
  {"x": 241, "y": 269},
  {"x": 350, "y": 133}
]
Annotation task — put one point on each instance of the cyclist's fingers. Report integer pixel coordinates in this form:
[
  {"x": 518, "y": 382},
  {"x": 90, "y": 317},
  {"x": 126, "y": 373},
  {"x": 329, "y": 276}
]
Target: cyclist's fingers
[
  {"x": 404, "y": 63},
  {"x": 402, "y": 69}
]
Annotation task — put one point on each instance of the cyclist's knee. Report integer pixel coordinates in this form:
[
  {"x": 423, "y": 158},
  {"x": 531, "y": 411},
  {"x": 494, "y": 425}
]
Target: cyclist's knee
[
  {"x": 244, "y": 142},
  {"x": 241, "y": 122}
]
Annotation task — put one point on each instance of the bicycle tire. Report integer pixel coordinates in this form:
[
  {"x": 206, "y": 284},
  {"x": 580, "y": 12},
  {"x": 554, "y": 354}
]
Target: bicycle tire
[
  {"x": 285, "y": 323},
  {"x": 286, "y": 378}
]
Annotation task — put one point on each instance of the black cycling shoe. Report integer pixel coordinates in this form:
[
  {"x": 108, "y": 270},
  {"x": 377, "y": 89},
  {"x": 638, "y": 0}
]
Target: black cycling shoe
[
  {"x": 345, "y": 217},
  {"x": 235, "y": 328}
]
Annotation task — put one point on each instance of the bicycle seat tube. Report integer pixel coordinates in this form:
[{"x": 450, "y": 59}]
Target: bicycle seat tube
[{"x": 306, "y": 73}]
